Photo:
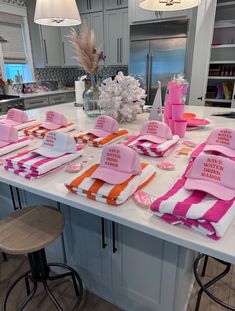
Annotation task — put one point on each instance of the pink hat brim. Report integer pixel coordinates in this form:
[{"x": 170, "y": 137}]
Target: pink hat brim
[
  {"x": 50, "y": 125},
  {"x": 108, "y": 175},
  {"x": 222, "y": 149},
  {"x": 4, "y": 143},
  {"x": 48, "y": 152},
  {"x": 152, "y": 138},
  {"x": 10, "y": 122},
  {"x": 98, "y": 133},
  {"x": 217, "y": 190}
]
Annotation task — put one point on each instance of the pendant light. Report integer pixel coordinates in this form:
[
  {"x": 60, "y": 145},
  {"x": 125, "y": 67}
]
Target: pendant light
[
  {"x": 57, "y": 13},
  {"x": 168, "y": 5}
]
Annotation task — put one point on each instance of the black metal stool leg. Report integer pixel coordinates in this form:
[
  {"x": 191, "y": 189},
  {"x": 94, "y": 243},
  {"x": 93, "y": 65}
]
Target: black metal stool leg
[
  {"x": 51, "y": 296},
  {"x": 75, "y": 276},
  {"x": 10, "y": 290},
  {"x": 204, "y": 265},
  {"x": 4, "y": 256},
  {"x": 27, "y": 284},
  {"x": 204, "y": 287},
  {"x": 30, "y": 296}
]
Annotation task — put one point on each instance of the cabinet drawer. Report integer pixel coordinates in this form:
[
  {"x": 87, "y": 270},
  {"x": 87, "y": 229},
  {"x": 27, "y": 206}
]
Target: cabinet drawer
[
  {"x": 70, "y": 97},
  {"x": 57, "y": 99},
  {"x": 36, "y": 102}
]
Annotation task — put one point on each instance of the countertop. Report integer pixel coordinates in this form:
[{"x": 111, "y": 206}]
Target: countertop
[
  {"x": 57, "y": 92},
  {"x": 129, "y": 214}
]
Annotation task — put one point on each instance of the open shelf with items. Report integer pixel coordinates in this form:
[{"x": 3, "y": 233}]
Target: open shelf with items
[{"x": 221, "y": 74}]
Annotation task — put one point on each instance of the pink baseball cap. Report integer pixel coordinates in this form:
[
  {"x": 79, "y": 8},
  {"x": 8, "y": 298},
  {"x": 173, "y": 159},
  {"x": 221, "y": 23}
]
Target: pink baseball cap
[
  {"x": 156, "y": 132},
  {"x": 15, "y": 117},
  {"x": 54, "y": 120},
  {"x": 214, "y": 175},
  {"x": 221, "y": 140},
  {"x": 117, "y": 164},
  {"x": 8, "y": 134},
  {"x": 104, "y": 126},
  {"x": 56, "y": 144}
]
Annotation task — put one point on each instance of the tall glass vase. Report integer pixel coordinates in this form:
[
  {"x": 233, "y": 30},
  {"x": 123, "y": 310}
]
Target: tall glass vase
[{"x": 91, "y": 96}]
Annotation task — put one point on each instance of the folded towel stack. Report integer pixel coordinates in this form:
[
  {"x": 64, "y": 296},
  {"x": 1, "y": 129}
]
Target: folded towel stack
[
  {"x": 31, "y": 165},
  {"x": 100, "y": 191},
  {"x": 91, "y": 140},
  {"x": 13, "y": 146},
  {"x": 40, "y": 132},
  {"x": 152, "y": 149}
]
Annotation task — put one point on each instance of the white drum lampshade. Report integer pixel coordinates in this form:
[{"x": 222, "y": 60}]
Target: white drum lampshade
[
  {"x": 168, "y": 5},
  {"x": 57, "y": 13}
]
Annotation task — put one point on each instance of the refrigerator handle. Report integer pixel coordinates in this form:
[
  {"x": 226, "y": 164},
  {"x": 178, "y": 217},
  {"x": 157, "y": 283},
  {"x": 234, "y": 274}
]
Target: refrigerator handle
[
  {"x": 150, "y": 75},
  {"x": 147, "y": 77}
]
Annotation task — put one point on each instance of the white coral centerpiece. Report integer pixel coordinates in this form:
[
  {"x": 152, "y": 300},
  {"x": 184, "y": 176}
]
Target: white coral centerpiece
[{"x": 122, "y": 97}]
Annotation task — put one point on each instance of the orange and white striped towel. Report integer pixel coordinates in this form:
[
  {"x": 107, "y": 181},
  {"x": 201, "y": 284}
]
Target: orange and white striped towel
[
  {"x": 93, "y": 141},
  {"x": 97, "y": 190},
  {"x": 40, "y": 132}
]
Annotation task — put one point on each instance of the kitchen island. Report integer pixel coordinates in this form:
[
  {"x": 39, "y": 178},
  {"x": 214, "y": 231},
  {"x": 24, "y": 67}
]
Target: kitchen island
[{"x": 124, "y": 254}]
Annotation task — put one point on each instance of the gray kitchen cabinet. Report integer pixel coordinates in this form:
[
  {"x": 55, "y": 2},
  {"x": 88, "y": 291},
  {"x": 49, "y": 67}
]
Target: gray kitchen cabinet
[
  {"x": 35, "y": 102},
  {"x": 95, "y": 21},
  {"x": 61, "y": 98},
  {"x": 117, "y": 37},
  {"x": 115, "y": 4},
  {"x": 51, "y": 42},
  {"x": 90, "y": 6},
  {"x": 45, "y": 42},
  {"x": 86, "y": 252},
  {"x": 68, "y": 55},
  {"x": 6, "y": 205}
]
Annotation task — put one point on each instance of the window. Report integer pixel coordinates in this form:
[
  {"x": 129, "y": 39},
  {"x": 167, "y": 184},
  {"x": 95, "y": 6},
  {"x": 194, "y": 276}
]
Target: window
[{"x": 15, "y": 51}]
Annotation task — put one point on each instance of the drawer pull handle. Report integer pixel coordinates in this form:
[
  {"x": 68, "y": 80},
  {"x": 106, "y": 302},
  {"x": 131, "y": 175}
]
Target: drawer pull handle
[{"x": 104, "y": 244}]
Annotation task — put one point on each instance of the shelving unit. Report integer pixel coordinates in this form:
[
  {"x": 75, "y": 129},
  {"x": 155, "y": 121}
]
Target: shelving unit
[{"x": 222, "y": 57}]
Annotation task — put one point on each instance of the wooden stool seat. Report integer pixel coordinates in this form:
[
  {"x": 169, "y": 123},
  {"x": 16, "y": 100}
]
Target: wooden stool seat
[{"x": 30, "y": 229}]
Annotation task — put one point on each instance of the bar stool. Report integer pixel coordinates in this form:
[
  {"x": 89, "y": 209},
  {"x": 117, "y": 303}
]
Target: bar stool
[
  {"x": 4, "y": 256},
  {"x": 29, "y": 231},
  {"x": 204, "y": 288}
]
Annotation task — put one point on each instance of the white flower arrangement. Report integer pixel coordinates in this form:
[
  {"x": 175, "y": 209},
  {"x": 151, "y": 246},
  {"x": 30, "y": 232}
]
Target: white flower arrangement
[{"x": 122, "y": 97}]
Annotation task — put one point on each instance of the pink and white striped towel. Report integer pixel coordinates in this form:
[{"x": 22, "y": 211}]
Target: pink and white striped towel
[
  {"x": 22, "y": 142},
  {"x": 152, "y": 149},
  {"x": 31, "y": 165},
  {"x": 195, "y": 209}
]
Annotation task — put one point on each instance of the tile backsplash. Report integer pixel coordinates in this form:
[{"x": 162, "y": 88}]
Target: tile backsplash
[{"x": 16, "y": 2}]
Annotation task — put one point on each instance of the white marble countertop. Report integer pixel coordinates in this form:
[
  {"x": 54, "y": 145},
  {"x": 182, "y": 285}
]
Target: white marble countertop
[
  {"x": 129, "y": 214},
  {"x": 48, "y": 93}
]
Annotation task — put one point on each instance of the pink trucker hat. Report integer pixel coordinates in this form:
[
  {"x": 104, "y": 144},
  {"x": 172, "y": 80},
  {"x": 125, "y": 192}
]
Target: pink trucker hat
[
  {"x": 117, "y": 164},
  {"x": 56, "y": 144},
  {"x": 15, "y": 117},
  {"x": 214, "y": 175},
  {"x": 221, "y": 140},
  {"x": 156, "y": 132},
  {"x": 54, "y": 120},
  {"x": 104, "y": 126},
  {"x": 8, "y": 134}
]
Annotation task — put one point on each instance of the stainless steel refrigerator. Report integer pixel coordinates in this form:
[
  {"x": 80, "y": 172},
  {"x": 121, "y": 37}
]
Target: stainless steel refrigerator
[{"x": 157, "y": 53}]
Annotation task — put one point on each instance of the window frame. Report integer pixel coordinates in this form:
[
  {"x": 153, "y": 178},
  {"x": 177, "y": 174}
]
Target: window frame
[{"x": 21, "y": 11}]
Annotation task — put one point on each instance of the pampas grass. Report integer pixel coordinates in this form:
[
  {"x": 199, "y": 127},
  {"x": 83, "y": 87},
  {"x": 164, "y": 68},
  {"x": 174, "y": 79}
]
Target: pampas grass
[{"x": 84, "y": 45}]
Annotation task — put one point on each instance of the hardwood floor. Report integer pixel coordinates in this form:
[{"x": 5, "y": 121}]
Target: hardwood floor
[{"x": 16, "y": 265}]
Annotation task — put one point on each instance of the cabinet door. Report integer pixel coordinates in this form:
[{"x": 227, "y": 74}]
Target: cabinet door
[
  {"x": 68, "y": 59},
  {"x": 6, "y": 205},
  {"x": 51, "y": 42},
  {"x": 89, "y": 6},
  {"x": 97, "y": 24},
  {"x": 142, "y": 267},
  {"x": 83, "y": 6},
  {"x": 87, "y": 255},
  {"x": 124, "y": 40},
  {"x": 115, "y": 4},
  {"x": 113, "y": 29},
  {"x": 96, "y": 5},
  {"x": 174, "y": 14}
]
